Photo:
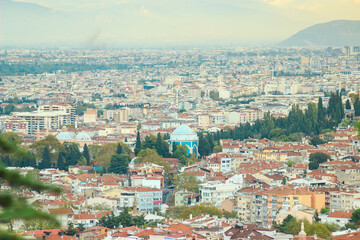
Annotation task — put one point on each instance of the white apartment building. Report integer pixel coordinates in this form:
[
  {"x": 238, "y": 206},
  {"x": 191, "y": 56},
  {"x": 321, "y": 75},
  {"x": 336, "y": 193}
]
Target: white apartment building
[
  {"x": 203, "y": 120},
  {"x": 244, "y": 116},
  {"x": 37, "y": 121},
  {"x": 215, "y": 192},
  {"x": 250, "y": 116},
  {"x": 226, "y": 164},
  {"x": 58, "y": 107},
  {"x": 206, "y": 120}
]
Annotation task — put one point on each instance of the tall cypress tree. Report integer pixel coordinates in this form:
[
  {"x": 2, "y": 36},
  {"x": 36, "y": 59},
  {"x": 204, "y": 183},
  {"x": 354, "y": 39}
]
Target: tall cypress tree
[
  {"x": 61, "y": 161},
  {"x": 119, "y": 149},
  {"x": 348, "y": 105},
  {"x": 341, "y": 106},
  {"x": 210, "y": 139},
  {"x": 357, "y": 107},
  {"x": 86, "y": 154},
  {"x": 46, "y": 160},
  {"x": 159, "y": 145},
  {"x": 138, "y": 144},
  {"x": 321, "y": 114},
  {"x": 204, "y": 147}
]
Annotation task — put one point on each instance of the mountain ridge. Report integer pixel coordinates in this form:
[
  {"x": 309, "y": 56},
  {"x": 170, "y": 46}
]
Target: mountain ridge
[{"x": 332, "y": 34}]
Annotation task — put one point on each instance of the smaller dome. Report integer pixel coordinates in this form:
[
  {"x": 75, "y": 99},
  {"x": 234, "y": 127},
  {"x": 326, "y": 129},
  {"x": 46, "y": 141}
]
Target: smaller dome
[
  {"x": 83, "y": 137},
  {"x": 64, "y": 136}
]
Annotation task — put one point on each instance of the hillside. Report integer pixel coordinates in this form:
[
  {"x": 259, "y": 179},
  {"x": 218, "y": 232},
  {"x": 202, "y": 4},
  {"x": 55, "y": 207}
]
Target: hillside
[{"x": 334, "y": 33}]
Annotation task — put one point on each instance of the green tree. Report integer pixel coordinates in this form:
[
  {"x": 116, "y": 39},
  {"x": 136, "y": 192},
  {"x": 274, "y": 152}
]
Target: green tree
[
  {"x": 109, "y": 221},
  {"x": 149, "y": 142},
  {"x": 204, "y": 147},
  {"x": 86, "y": 154},
  {"x": 283, "y": 227},
  {"x": 13, "y": 207},
  {"x": 119, "y": 163},
  {"x": 350, "y": 225},
  {"x": 137, "y": 144},
  {"x": 283, "y": 182},
  {"x": 187, "y": 182},
  {"x": 101, "y": 154},
  {"x": 321, "y": 113},
  {"x": 199, "y": 210},
  {"x": 72, "y": 154},
  {"x": 160, "y": 146},
  {"x": 81, "y": 227},
  {"x": 82, "y": 161},
  {"x": 119, "y": 149},
  {"x": 355, "y": 217},
  {"x": 71, "y": 231},
  {"x": 229, "y": 215},
  {"x": 12, "y": 138},
  {"x": 180, "y": 151},
  {"x": 9, "y": 109},
  {"x": 124, "y": 219},
  {"x": 46, "y": 161},
  {"x": 53, "y": 145},
  {"x": 357, "y": 107},
  {"x": 217, "y": 148},
  {"x": 347, "y": 105},
  {"x": 61, "y": 161},
  {"x": 336, "y": 109},
  {"x": 324, "y": 210},
  {"x": 151, "y": 156},
  {"x": 316, "y": 216},
  {"x": 316, "y": 140},
  {"x": 316, "y": 158}
]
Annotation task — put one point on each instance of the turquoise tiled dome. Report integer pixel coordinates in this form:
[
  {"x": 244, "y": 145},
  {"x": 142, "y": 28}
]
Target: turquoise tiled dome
[
  {"x": 183, "y": 133},
  {"x": 64, "y": 136}
]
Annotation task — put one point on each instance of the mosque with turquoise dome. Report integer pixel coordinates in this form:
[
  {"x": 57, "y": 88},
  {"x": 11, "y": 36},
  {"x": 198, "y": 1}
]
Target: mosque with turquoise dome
[{"x": 185, "y": 136}]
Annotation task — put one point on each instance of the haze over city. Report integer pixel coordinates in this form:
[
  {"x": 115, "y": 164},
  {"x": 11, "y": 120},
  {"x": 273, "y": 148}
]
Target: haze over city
[
  {"x": 163, "y": 23},
  {"x": 180, "y": 119}
]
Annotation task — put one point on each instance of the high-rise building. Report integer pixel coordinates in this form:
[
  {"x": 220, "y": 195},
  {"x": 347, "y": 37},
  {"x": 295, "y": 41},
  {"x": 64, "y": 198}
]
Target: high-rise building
[
  {"x": 90, "y": 116},
  {"x": 37, "y": 121},
  {"x": 122, "y": 115}
]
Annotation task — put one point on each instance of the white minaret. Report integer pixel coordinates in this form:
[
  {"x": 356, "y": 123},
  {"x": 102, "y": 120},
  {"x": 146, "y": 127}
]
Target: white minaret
[{"x": 177, "y": 96}]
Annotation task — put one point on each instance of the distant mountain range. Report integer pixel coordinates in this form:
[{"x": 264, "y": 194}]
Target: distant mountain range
[{"x": 334, "y": 33}]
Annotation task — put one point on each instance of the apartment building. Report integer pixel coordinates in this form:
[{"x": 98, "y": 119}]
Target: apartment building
[
  {"x": 59, "y": 107},
  {"x": 15, "y": 124},
  {"x": 343, "y": 199},
  {"x": 122, "y": 115},
  {"x": 262, "y": 207},
  {"x": 37, "y": 121},
  {"x": 145, "y": 198},
  {"x": 215, "y": 192},
  {"x": 90, "y": 116}
]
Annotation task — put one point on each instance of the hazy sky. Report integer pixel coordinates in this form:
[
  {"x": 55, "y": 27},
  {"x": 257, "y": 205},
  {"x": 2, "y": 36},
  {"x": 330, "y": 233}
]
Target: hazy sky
[{"x": 102, "y": 23}]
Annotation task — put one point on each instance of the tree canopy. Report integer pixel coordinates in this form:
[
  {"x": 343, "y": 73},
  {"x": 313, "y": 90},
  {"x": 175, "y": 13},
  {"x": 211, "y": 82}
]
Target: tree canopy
[
  {"x": 187, "y": 182},
  {"x": 13, "y": 207},
  {"x": 316, "y": 158},
  {"x": 124, "y": 219}
]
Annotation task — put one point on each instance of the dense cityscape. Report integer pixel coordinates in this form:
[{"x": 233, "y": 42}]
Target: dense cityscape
[{"x": 247, "y": 143}]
